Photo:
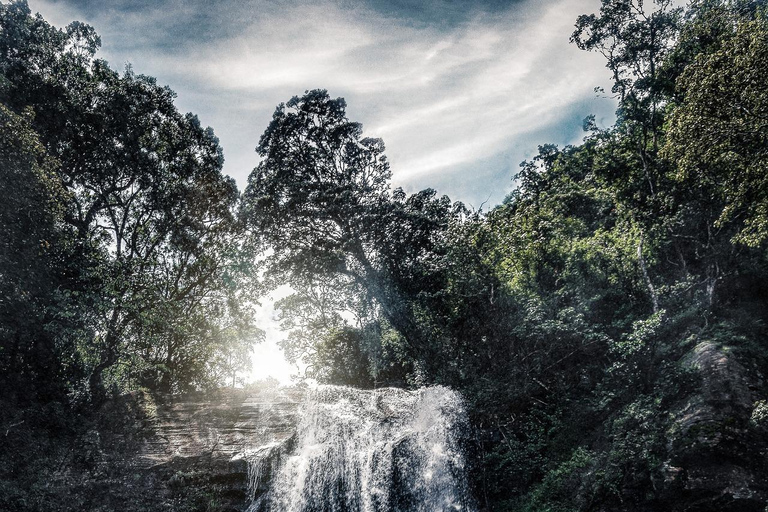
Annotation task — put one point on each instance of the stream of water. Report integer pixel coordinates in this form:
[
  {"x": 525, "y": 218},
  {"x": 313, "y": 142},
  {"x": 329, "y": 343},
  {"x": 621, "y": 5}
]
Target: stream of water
[{"x": 384, "y": 450}]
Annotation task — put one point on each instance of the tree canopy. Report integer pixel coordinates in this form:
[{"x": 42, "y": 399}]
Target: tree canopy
[{"x": 157, "y": 273}]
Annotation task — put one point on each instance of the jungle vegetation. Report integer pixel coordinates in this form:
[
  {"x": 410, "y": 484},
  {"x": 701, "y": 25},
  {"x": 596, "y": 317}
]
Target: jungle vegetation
[{"x": 130, "y": 261}]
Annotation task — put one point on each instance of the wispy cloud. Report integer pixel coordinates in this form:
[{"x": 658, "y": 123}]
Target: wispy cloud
[{"x": 441, "y": 95}]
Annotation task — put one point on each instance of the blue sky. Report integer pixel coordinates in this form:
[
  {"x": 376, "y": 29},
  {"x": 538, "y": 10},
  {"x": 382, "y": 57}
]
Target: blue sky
[{"x": 460, "y": 91}]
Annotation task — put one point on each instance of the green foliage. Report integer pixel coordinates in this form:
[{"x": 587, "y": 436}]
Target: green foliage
[
  {"x": 718, "y": 132},
  {"x": 635, "y": 37},
  {"x": 37, "y": 327},
  {"x": 342, "y": 358},
  {"x": 759, "y": 416},
  {"x": 560, "y": 490},
  {"x": 157, "y": 273},
  {"x": 320, "y": 199},
  {"x": 122, "y": 258}
]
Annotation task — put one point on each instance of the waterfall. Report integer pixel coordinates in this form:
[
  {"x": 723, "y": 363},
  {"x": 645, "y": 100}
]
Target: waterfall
[{"x": 385, "y": 450}]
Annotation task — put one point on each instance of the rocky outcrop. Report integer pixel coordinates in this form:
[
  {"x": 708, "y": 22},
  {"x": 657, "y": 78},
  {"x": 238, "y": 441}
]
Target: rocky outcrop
[
  {"x": 717, "y": 455},
  {"x": 220, "y": 425},
  {"x": 191, "y": 452}
]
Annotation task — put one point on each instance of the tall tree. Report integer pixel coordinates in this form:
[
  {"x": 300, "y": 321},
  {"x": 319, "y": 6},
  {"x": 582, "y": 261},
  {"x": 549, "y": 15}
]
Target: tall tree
[{"x": 321, "y": 200}]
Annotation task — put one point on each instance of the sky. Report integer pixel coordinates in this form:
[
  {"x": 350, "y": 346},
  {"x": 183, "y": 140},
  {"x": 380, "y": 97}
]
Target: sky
[{"x": 461, "y": 91}]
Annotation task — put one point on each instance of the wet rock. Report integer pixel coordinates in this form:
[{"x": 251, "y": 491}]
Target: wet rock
[{"x": 187, "y": 452}]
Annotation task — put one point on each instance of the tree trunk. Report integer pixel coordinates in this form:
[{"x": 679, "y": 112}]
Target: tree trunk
[
  {"x": 107, "y": 358},
  {"x": 646, "y": 277}
]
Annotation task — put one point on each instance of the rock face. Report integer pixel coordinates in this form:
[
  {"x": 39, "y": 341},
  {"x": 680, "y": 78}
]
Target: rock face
[
  {"x": 283, "y": 450},
  {"x": 717, "y": 453},
  {"x": 221, "y": 425},
  {"x": 190, "y": 449}
]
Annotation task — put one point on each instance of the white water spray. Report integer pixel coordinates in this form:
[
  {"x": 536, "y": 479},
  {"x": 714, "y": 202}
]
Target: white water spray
[{"x": 386, "y": 450}]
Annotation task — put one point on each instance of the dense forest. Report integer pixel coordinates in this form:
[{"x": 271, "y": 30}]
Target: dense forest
[{"x": 569, "y": 317}]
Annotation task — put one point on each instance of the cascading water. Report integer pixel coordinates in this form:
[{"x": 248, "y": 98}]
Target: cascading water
[{"x": 386, "y": 450}]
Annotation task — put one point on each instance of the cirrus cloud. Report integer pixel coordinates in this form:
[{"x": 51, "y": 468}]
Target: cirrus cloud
[{"x": 458, "y": 91}]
